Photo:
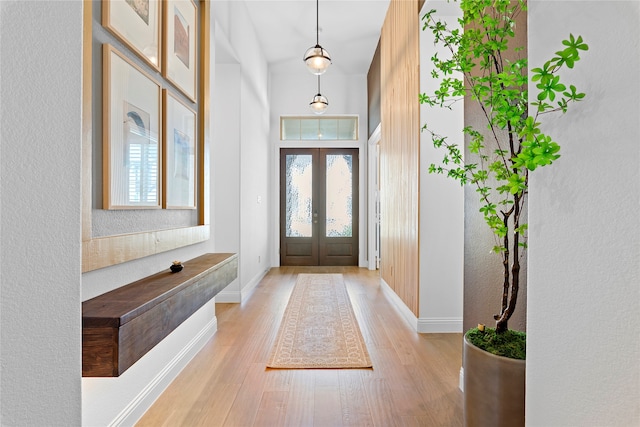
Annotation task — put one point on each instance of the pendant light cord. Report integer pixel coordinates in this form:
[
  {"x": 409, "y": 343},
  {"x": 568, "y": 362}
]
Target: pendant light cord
[
  {"x": 318, "y": 85},
  {"x": 317, "y": 22}
]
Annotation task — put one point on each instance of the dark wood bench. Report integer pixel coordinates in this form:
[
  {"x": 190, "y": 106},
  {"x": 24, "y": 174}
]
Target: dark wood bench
[{"x": 121, "y": 326}]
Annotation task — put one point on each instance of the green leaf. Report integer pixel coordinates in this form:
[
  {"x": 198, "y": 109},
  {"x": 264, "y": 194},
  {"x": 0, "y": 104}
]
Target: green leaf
[
  {"x": 475, "y": 146},
  {"x": 498, "y": 249},
  {"x": 546, "y": 151},
  {"x": 572, "y": 94},
  {"x": 479, "y": 176},
  {"x": 570, "y": 54},
  {"x": 484, "y": 191},
  {"x": 522, "y": 229},
  {"x": 542, "y": 74},
  {"x": 549, "y": 88},
  {"x": 489, "y": 208},
  {"x": 530, "y": 129},
  {"x": 517, "y": 184}
]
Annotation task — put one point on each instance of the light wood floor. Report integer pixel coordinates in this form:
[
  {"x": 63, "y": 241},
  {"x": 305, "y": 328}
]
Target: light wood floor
[{"x": 414, "y": 381}]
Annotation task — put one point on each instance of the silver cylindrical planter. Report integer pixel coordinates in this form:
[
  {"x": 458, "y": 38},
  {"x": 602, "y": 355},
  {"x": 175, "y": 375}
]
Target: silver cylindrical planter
[{"x": 494, "y": 388}]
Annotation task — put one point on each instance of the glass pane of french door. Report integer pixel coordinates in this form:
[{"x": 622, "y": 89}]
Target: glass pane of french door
[
  {"x": 299, "y": 195},
  {"x": 339, "y": 196}
]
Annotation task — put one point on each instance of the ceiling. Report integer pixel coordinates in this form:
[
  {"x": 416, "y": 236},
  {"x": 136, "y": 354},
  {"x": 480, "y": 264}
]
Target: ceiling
[{"x": 349, "y": 31}]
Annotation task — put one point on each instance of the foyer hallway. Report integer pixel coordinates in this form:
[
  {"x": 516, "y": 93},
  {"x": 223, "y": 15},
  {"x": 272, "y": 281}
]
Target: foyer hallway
[{"x": 414, "y": 381}]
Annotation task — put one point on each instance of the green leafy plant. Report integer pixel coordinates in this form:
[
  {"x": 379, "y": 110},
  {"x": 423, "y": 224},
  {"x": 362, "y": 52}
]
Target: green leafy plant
[{"x": 512, "y": 145}]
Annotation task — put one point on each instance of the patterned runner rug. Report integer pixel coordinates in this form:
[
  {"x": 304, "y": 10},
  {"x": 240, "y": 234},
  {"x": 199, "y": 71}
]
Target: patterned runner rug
[{"x": 319, "y": 328}]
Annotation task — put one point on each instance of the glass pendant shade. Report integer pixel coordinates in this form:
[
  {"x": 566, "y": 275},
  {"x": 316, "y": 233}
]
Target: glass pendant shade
[
  {"x": 317, "y": 59},
  {"x": 319, "y": 104}
]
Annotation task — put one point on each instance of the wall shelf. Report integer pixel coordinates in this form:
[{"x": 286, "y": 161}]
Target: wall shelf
[{"x": 121, "y": 326}]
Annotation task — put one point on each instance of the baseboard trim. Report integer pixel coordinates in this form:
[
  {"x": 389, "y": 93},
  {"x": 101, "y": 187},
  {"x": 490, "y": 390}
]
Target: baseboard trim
[
  {"x": 245, "y": 293},
  {"x": 143, "y": 401},
  {"x": 433, "y": 325},
  {"x": 439, "y": 325},
  {"x": 407, "y": 314},
  {"x": 228, "y": 297}
]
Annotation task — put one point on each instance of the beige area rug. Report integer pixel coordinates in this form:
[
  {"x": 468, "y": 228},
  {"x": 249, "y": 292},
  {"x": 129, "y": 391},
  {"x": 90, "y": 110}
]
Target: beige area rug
[{"x": 319, "y": 328}]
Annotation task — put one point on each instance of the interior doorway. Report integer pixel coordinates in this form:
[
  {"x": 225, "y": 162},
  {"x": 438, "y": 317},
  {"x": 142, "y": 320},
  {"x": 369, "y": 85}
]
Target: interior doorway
[{"x": 319, "y": 206}]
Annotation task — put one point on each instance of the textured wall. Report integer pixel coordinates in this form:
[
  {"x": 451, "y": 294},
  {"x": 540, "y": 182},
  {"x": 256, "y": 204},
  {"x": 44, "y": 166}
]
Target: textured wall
[
  {"x": 40, "y": 195},
  {"x": 584, "y": 259}
]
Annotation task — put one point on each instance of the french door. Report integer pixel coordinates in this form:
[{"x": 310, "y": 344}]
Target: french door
[{"x": 318, "y": 206}]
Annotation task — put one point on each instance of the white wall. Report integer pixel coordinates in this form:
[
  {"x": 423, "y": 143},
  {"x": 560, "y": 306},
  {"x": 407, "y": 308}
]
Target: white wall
[
  {"x": 40, "y": 191},
  {"x": 233, "y": 21},
  {"x": 225, "y": 164},
  {"x": 441, "y": 202},
  {"x": 347, "y": 95},
  {"x": 584, "y": 259}
]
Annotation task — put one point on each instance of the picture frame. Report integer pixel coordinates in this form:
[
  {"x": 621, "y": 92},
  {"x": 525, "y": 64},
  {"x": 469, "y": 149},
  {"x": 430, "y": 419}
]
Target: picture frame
[
  {"x": 179, "y": 153},
  {"x": 132, "y": 149},
  {"x": 180, "y": 36},
  {"x": 137, "y": 23}
]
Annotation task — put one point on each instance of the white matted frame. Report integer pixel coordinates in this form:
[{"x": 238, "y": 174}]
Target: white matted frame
[
  {"x": 179, "y": 40},
  {"x": 132, "y": 150},
  {"x": 180, "y": 154},
  {"x": 136, "y": 23}
]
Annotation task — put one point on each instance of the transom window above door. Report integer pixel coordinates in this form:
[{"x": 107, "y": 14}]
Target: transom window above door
[{"x": 326, "y": 128}]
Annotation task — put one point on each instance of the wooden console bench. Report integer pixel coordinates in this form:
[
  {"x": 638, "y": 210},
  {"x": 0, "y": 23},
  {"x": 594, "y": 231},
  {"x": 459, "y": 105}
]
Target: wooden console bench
[{"x": 120, "y": 326}]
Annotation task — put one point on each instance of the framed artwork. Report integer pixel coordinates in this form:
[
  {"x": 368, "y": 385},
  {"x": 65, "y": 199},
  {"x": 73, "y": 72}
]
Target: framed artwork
[
  {"x": 180, "y": 153},
  {"x": 180, "y": 35},
  {"x": 131, "y": 130},
  {"x": 137, "y": 24}
]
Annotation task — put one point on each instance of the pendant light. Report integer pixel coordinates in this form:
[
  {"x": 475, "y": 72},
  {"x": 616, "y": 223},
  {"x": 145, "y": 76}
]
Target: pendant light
[
  {"x": 316, "y": 57},
  {"x": 319, "y": 103}
]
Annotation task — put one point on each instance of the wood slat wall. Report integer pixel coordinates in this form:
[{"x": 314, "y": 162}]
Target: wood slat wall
[{"x": 399, "y": 151}]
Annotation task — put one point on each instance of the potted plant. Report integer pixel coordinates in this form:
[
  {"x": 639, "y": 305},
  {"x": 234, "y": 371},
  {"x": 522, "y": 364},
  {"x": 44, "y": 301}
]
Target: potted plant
[{"x": 498, "y": 160}]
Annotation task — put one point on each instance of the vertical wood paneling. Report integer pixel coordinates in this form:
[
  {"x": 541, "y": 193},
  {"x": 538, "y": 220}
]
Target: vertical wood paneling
[{"x": 399, "y": 151}]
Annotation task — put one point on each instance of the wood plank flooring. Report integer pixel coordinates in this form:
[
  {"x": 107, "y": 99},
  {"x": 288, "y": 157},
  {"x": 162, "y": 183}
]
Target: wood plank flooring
[{"x": 414, "y": 380}]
